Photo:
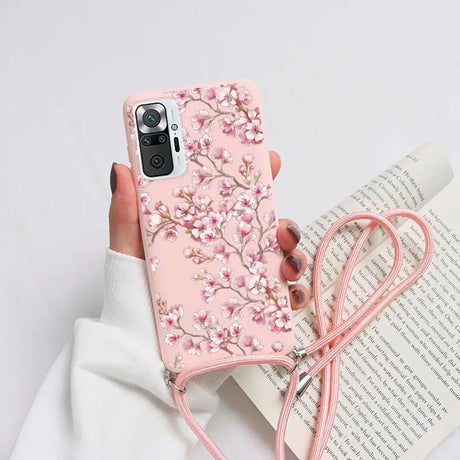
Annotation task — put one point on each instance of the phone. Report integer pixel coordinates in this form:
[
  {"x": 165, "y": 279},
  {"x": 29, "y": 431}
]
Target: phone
[{"x": 208, "y": 222}]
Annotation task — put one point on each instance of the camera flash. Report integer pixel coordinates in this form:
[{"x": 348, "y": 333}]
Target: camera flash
[{"x": 174, "y": 127}]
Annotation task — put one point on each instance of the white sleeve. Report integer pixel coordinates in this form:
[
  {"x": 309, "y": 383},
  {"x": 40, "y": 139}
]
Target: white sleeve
[{"x": 105, "y": 397}]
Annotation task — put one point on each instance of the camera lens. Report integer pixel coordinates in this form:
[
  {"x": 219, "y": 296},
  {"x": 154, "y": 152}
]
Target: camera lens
[
  {"x": 151, "y": 118},
  {"x": 162, "y": 138},
  {"x": 146, "y": 140},
  {"x": 157, "y": 161}
]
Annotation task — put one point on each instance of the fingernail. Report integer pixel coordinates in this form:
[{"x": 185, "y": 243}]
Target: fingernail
[
  {"x": 294, "y": 262},
  {"x": 299, "y": 295},
  {"x": 113, "y": 179},
  {"x": 295, "y": 232}
]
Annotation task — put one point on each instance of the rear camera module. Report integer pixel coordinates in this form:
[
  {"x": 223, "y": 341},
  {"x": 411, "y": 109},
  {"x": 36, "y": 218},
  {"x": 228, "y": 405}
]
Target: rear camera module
[
  {"x": 157, "y": 161},
  {"x": 151, "y": 118}
]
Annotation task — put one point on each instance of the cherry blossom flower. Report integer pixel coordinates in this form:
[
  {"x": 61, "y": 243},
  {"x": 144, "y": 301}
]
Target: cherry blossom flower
[
  {"x": 202, "y": 177},
  {"x": 223, "y": 155},
  {"x": 231, "y": 308},
  {"x": 227, "y": 125},
  {"x": 277, "y": 346},
  {"x": 227, "y": 96},
  {"x": 225, "y": 187},
  {"x": 256, "y": 284},
  {"x": 185, "y": 211},
  {"x": 169, "y": 234},
  {"x": 209, "y": 94},
  {"x": 253, "y": 343},
  {"x": 244, "y": 97},
  {"x": 206, "y": 141},
  {"x": 172, "y": 339},
  {"x": 226, "y": 273},
  {"x": 181, "y": 96},
  {"x": 190, "y": 347},
  {"x": 271, "y": 243},
  {"x": 170, "y": 319},
  {"x": 201, "y": 120},
  {"x": 236, "y": 329},
  {"x": 188, "y": 252},
  {"x": 260, "y": 191},
  {"x": 154, "y": 220},
  {"x": 256, "y": 313},
  {"x": 204, "y": 320}
]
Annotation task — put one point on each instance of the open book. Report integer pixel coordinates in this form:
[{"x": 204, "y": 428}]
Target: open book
[{"x": 400, "y": 379}]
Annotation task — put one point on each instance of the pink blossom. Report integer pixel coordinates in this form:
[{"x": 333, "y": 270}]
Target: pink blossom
[
  {"x": 245, "y": 200},
  {"x": 277, "y": 346},
  {"x": 185, "y": 211},
  {"x": 248, "y": 216},
  {"x": 256, "y": 313},
  {"x": 202, "y": 202},
  {"x": 240, "y": 281},
  {"x": 223, "y": 155},
  {"x": 231, "y": 308},
  {"x": 252, "y": 342},
  {"x": 202, "y": 176},
  {"x": 227, "y": 125},
  {"x": 206, "y": 141},
  {"x": 273, "y": 285},
  {"x": 220, "y": 335},
  {"x": 204, "y": 320},
  {"x": 190, "y": 347},
  {"x": 180, "y": 95},
  {"x": 169, "y": 234},
  {"x": 225, "y": 273},
  {"x": 271, "y": 243},
  {"x": 236, "y": 329},
  {"x": 247, "y": 158},
  {"x": 260, "y": 191},
  {"x": 172, "y": 339},
  {"x": 256, "y": 284},
  {"x": 154, "y": 219},
  {"x": 225, "y": 187},
  {"x": 244, "y": 97},
  {"x": 188, "y": 252},
  {"x": 209, "y": 94},
  {"x": 253, "y": 256},
  {"x": 227, "y": 96},
  {"x": 201, "y": 120}
]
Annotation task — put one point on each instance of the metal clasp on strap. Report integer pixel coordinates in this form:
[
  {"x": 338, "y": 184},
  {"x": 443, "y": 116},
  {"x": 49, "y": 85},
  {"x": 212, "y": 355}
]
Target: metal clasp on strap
[
  {"x": 169, "y": 378},
  {"x": 298, "y": 355}
]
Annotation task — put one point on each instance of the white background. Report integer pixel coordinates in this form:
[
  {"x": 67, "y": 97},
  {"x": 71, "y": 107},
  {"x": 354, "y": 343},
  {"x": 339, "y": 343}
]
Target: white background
[{"x": 347, "y": 89}]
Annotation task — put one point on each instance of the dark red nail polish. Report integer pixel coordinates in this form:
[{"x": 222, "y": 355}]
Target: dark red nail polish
[
  {"x": 294, "y": 231},
  {"x": 299, "y": 295},
  {"x": 294, "y": 262},
  {"x": 113, "y": 179}
]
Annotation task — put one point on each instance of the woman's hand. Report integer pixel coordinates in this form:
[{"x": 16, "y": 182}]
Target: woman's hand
[{"x": 125, "y": 235}]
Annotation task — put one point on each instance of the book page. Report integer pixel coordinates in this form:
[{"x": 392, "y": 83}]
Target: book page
[{"x": 400, "y": 378}]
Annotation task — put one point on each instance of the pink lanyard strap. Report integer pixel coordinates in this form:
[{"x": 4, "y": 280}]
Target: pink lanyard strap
[{"x": 331, "y": 342}]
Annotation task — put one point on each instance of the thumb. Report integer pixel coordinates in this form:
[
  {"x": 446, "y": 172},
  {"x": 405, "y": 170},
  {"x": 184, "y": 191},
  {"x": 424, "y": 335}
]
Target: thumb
[{"x": 125, "y": 235}]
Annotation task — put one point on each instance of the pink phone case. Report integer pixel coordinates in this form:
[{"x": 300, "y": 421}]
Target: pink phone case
[{"x": 210, "y": 235}]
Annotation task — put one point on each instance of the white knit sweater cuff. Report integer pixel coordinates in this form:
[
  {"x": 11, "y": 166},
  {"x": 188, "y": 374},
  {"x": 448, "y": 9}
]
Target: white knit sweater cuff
[{"x": 128, "y": 306}]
